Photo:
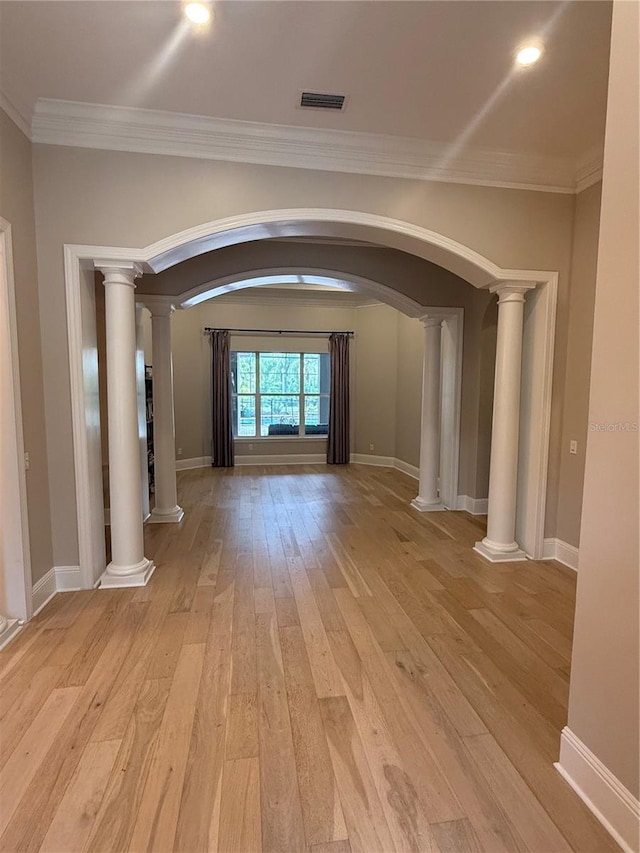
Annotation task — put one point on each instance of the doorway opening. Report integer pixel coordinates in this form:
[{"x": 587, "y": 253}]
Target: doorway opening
[{"x": 478, "y": 271}]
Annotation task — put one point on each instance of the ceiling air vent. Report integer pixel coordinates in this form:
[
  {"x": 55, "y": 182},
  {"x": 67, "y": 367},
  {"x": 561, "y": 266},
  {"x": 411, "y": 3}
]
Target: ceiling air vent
[{"x": 322, "y": 101}]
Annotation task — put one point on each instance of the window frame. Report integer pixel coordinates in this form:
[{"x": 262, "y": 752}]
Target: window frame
[{"x": 302, "y": 395}]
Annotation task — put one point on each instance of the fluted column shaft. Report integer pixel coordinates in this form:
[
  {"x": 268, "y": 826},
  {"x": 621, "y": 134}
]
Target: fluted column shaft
[
  {"x": 166, "y": 496},
  {"x": 499, "y": 544},
  {"x": 428, "y": 499},
  {"x": 128, "y": 566}
]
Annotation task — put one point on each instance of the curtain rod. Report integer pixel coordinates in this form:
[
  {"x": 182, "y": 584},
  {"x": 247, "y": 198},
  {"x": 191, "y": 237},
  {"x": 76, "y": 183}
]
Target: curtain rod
[{"x": 208, "y": 329}]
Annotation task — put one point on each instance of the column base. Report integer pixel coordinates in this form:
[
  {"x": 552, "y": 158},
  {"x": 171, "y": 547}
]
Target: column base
[
  {"x": 500, "y": 553},
  {"x": 166, "y": 516},
  {"x": 427, "y": 506},
  {"x": 11, "y": 628},
  {"x": 138, "y": 576}
]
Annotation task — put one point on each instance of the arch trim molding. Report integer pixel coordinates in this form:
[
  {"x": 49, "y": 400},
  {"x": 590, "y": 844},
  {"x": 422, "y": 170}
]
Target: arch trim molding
[
  {"x": 267, "y": 276},
  {"x": 307, "y": 222}
]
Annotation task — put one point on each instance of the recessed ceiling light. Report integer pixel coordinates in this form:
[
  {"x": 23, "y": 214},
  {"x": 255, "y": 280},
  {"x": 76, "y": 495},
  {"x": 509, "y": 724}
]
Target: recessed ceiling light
[
  {"x": 528, "y": 55},
  {"x": 197, "y": 13}
]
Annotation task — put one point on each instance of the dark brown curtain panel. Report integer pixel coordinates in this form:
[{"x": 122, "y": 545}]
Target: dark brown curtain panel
[
  {"x": 338, "y": 450},
  {"x": 222, "y": 450}
]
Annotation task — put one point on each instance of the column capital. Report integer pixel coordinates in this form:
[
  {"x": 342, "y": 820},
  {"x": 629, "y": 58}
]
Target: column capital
[
  {"x": 119, "y": 272},
  {"x": 512, "y": 291},
  {"x": 159, "y": 306},
  {"x": 429, "y": 321}
]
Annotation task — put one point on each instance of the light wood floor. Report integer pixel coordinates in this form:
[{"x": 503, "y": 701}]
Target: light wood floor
[{"x": 314, "y": 666}]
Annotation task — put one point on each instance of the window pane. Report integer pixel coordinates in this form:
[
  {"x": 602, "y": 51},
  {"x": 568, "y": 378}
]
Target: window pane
[
  {"x": 245, "y": 382},
  {"x": 244, "y": 415},
  {"x": 312, "y": 373},
  {"x": 279, "y": 415},
  {"x": 316, "y": 415},
  {"x": 316, "y": 373},
  {"x": 279, "y": 373}
]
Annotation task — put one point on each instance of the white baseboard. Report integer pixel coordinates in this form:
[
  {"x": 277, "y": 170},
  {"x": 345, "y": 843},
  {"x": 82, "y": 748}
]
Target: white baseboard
[
  {"x": 475, "y": 506},
  {"x": 406, "y": 468},
  {"x": 615, "y": 807},
  {"x": 282, "y": 459},
  {"x": 68, "y": 578},
  {"x": 256, "y": 459},
  {"x": 386, "y": 462},
  {"x": 366, "y": 459},
  {"x": 43, "y": 591},
  {"x": 196, "y": 462},
  {"x": 304, "y": 459},
  {"x": 556, "y": 549},
  {"x": 57, "y": 579}
]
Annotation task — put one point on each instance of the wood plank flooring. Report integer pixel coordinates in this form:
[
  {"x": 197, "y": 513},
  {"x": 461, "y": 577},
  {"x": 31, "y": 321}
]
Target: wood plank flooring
[{"x": 313, "y": 666}]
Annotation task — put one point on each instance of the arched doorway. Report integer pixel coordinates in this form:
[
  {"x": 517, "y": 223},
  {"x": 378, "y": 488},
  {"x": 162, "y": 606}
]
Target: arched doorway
[
  {"x": 480, "y": 272},
  {"x": 452, "y": 319}
]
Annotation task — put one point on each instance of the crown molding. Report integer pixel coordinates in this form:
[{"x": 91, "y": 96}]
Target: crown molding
[
  {"x": 589, "y": 169},
  {"x": 71, "y": 123},
  {"x": 15, "y": 115}
]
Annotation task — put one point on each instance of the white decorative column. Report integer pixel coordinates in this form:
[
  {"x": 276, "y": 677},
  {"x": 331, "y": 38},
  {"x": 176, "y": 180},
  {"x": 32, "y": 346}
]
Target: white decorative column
[
  {"x": 428, "y": 499},
  {"x": 499, "y": 544},
  {"x": 164, "y": 437},
  {"x": 128, "y": 566}
]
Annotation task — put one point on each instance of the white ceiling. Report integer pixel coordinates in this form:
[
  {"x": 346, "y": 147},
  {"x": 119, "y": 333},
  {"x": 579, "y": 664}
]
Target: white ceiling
[{"x": 440, "y": 71}]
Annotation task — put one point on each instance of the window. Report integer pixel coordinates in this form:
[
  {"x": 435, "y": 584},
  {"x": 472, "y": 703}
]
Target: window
[{"x": 279, "y": 393}]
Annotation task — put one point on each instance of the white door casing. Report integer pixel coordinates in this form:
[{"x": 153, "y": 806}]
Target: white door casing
[{"x": 15, "y": 559}]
